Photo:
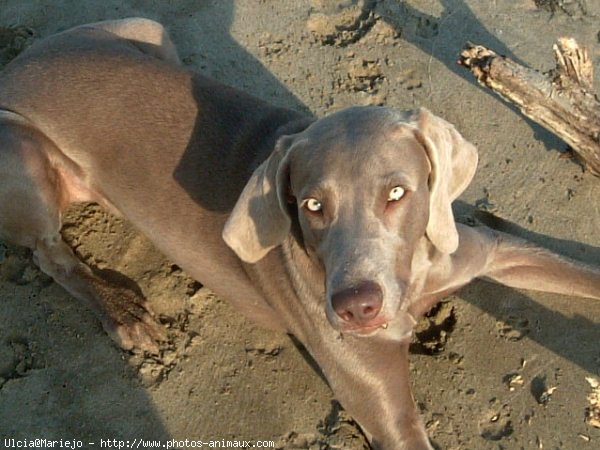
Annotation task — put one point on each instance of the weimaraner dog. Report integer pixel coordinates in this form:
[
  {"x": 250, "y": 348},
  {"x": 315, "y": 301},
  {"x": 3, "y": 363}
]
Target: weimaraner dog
[{"x": 338, "y": 230}]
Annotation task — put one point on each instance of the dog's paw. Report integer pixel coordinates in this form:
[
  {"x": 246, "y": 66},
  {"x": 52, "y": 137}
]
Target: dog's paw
[{"x": 128, "y": 320}]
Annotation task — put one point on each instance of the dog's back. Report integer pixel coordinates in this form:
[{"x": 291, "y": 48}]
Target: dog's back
[
  {"x": 167, "y": 148},
  {"x": 100, "y": 100},
  {"x": 119, "y": 114}
]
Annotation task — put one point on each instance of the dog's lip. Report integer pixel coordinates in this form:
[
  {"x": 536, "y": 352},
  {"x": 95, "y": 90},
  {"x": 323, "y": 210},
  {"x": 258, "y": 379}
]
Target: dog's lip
[
  {"x": 399, "y": 328},
  {"x": 366, "y": 330}
]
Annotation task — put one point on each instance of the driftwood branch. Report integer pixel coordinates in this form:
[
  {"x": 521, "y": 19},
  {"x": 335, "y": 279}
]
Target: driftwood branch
[{"x": 562, "y": 101}]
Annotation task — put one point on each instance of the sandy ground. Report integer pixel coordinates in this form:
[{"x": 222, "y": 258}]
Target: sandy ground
[{"x": 494, "y": 368}]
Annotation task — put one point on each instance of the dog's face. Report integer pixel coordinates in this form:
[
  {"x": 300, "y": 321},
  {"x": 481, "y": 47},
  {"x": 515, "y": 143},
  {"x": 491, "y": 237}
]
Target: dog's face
[
  {"x": 360, "y": 185},
  {"x": 365, "y": 187}
]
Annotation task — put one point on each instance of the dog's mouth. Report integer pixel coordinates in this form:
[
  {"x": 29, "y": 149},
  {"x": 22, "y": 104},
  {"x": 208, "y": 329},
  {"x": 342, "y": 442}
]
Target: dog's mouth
[
  {"x": 397, "y": 329},
  {"x": 366, "y": 330}
]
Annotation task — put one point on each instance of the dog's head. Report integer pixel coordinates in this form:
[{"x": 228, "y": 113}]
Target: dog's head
[{"x": 365, "y": 187}]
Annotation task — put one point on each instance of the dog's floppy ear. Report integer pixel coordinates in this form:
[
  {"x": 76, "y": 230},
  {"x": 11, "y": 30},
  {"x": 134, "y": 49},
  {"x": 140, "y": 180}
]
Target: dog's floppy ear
[
  {"x": 259, "y": 220},
  {"x": 453, "y": 164}
]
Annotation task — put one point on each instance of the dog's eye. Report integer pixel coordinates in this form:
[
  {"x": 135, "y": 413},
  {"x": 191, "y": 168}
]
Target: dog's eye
[
  {"x": 313, "y": 205},
  {"x": 396, "y": 194}
]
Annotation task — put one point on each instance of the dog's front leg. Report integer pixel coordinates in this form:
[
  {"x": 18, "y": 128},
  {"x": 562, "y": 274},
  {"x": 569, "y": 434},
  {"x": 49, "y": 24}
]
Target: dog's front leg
[
  {"x": 520, "y": 264},
  {"x": 370, "y": 378}
]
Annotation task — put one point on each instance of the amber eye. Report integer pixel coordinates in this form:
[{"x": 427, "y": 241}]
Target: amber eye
[
  {"x": 313, "y": 205},
  {"x": 396, "y": 194}
]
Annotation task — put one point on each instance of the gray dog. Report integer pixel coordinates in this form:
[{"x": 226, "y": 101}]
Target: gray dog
[{"x": 339, "y": 230}]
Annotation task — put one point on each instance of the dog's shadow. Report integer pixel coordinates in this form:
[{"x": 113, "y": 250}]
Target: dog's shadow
[{"x": 443, "y": 37}]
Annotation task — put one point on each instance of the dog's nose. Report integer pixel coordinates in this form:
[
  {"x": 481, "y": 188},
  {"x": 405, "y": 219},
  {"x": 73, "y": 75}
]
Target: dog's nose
[{"x": 358, "y": 305}]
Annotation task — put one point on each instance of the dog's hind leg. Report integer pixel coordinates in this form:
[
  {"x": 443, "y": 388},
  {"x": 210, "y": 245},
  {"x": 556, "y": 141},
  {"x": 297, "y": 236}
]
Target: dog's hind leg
[{"x": 33, "y": 192}]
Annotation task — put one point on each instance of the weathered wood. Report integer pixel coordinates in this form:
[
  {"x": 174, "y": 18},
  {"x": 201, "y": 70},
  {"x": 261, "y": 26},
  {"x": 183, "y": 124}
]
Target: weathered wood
[{"x": 562, "y": 100}]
